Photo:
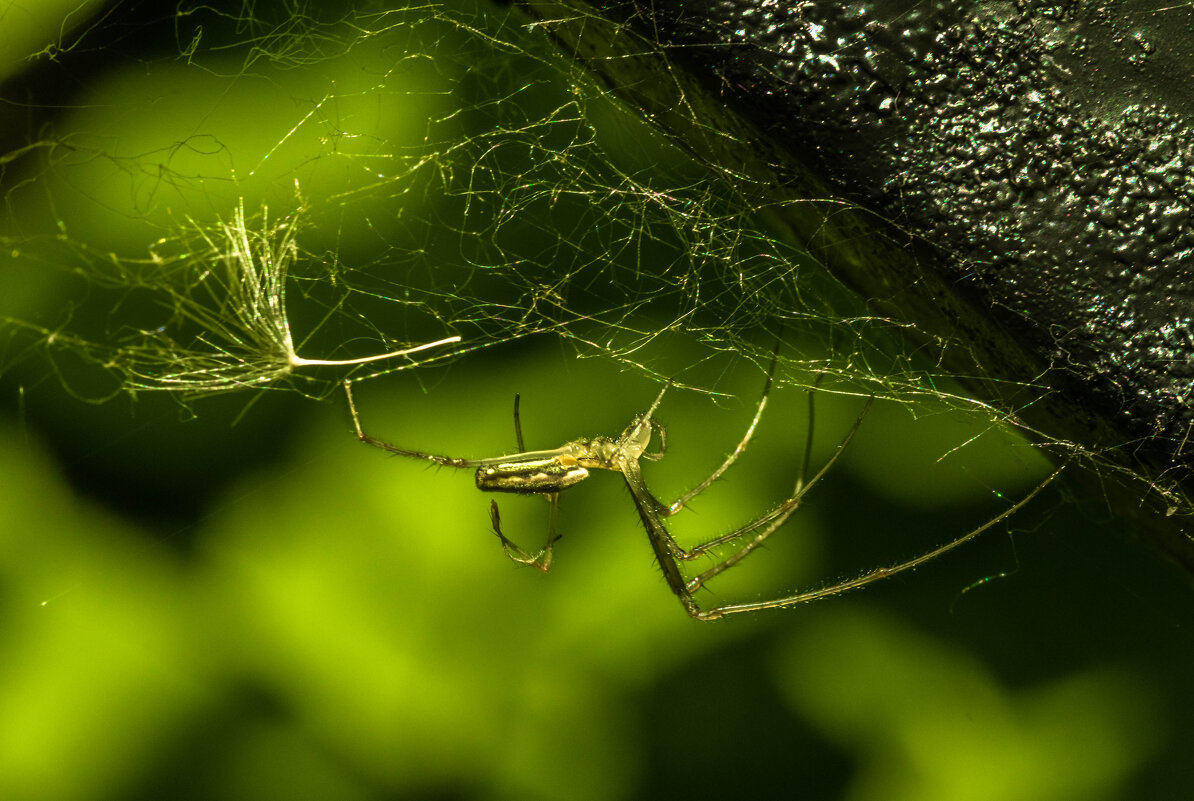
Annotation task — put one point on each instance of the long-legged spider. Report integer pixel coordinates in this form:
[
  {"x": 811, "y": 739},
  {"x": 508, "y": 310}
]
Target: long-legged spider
[{"x": 549, "y": 472}]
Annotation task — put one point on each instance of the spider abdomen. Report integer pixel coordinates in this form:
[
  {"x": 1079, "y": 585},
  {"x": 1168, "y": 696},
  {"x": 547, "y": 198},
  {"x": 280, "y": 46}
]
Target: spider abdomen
[{"x": 531, "y": 476}]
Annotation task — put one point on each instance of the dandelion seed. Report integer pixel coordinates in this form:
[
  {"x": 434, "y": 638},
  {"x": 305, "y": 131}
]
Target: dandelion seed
[{"x": 244, "y": 334}]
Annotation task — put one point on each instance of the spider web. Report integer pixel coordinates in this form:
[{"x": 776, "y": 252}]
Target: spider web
[
  {"x": 350, "y": 183},
  {"x": 415, "y": 174}
]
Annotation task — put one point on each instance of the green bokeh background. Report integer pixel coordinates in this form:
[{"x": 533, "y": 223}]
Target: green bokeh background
[{"x": 234, "y": 599}]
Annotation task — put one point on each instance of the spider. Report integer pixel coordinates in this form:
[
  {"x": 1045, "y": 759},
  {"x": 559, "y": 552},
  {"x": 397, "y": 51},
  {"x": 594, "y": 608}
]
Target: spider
[{"x": 549, "y": 472}]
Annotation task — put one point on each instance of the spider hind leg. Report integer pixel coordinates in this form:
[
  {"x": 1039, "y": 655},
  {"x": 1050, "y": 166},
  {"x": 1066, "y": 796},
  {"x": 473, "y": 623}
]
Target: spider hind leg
[{"x": 541, "y": 560}]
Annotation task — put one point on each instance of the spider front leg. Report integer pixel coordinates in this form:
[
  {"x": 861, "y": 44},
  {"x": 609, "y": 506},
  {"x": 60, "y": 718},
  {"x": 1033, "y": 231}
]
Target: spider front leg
[
  {"x": 763, "y": 527},
  {"x": 672, "y": 508},
  {"x": 772, "y": 520},
  {"x": 670, "y": 554},
  {"x": 760, "y": 529},
  {"x": 878, "y": 573},
  {"x": 667, "y": 552}
]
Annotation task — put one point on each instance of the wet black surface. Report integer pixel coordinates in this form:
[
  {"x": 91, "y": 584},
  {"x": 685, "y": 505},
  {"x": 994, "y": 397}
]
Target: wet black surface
[{"x": 1042, "y": 148}]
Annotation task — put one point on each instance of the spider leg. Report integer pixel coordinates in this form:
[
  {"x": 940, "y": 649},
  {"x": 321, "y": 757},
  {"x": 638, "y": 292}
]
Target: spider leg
[
  {"x": 878, "y": 573},
  {"x": 772, "y": 520},
  {"x": 680, "y": 502},
  {"x": 518, "y": 425},
  {"x": 541, "y": 560},
  {"x": 667, "y": 552},
  {"x": 661, "y": 430},
  {"x": 446, "y": 461}
]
